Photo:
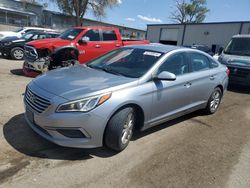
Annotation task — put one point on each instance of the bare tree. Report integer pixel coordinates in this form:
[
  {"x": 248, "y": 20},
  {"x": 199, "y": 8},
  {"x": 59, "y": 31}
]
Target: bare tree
[
  {"x": 78, "y": 8},
  {"x": 193, "y": 12}
]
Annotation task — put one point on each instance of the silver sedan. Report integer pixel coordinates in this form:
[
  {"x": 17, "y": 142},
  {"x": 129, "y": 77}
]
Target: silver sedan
[{"x": 136, "y": 87}]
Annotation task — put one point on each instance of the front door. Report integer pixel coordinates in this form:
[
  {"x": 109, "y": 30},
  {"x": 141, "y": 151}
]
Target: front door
[
  {"x": 91, "y": 48},
  {"x": 172, "y": 97}
]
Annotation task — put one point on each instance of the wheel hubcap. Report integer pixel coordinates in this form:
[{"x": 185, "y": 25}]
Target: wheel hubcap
[
  {"x": 215, "y": 101},
  {"x": 18, "y": 54},
  {"x": 127, "y": 129}
]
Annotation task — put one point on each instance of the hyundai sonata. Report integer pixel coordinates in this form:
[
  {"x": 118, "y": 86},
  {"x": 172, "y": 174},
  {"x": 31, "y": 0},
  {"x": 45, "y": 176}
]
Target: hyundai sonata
[{"x": 136, "y": 87}]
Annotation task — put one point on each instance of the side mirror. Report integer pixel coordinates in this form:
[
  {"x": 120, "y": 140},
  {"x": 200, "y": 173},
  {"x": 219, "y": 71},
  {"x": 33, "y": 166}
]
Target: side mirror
[
  {"x": 84, "y": 40},
  {"x": 168, "y": 76},
  {"x": 220, "y": 50}
]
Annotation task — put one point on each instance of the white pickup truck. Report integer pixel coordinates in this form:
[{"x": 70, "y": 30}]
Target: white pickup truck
[{"x": 18, "y": 33}]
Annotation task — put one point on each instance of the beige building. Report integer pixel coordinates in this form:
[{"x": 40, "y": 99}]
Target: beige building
[
  {"x": 16, "y": 13},
  {"x": 213, "y": 35}
]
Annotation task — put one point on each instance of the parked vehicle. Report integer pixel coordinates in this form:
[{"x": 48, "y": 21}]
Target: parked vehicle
[
  {"x": 13, "y": 47},
  {"x": 203, "y": 48},
  {"x": 236, "y": 56},
  {"x": 131, "y": 88},
  {"x": 76, "y": 44},
  {"x": 18, "y": 33}
]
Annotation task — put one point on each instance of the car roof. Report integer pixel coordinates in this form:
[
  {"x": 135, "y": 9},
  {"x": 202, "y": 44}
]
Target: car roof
[
  {"x": 157, "y": 47},
  {"x": 95, "y": 27},
  {"x": 242, "y": 36},
  {"x": 43, "y": 32}
]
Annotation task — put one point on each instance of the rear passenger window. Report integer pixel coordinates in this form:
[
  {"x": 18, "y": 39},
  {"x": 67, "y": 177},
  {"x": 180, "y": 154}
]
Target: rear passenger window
[
  {"x": 42, "y": 36},
  {"x": 176, "y": 64},
  {"x": 109, "y": 35},
  {"x": 93, "y": 35},
  {"x": 199, "y": 62}
]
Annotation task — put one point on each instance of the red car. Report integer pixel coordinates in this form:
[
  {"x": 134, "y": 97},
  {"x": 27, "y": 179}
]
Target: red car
[{"x": 80, "y": 44}]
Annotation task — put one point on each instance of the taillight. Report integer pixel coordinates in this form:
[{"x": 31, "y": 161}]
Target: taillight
[{"x": 228, "y": 71}]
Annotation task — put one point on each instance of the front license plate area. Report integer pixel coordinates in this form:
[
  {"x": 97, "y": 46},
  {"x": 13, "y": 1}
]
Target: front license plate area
[{"x": 30, "y": 115}]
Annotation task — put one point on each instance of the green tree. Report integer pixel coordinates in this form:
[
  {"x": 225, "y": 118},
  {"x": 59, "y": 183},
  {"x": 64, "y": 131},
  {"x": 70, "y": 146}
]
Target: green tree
[
  {"x": 193, "y": 12},
  {"x": 78, "y": 8}
]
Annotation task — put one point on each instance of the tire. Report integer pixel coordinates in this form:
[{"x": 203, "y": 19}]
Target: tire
[
  {"x": 120, "y": 129},
  {"x": 17, "y": 53},
  {"x": 214, "y": 101}
]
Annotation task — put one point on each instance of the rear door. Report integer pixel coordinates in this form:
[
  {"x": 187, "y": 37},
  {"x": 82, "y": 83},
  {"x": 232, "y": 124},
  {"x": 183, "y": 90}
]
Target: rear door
[
  {"x": 110, "y": 40},
  {"x": 204, "y": 78}
]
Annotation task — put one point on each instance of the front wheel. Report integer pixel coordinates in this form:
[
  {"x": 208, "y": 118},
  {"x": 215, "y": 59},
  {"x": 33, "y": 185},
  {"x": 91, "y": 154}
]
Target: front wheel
[
  {"x": 120, "y": 129},
  {"x": 17, "y": 53},
  {"x": 214, "y": 101}
]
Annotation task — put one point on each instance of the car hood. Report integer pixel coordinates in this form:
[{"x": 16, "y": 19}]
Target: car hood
[
  {"x": 235, "y": 60},
  {"x": 80, "y": 81},
  {"x": 9, "y": 39},
  {"x": 4, "y": 34},
  {"x": 49, "y": 43}
]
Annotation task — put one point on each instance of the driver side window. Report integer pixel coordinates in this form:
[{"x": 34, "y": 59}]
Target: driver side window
[
  {"x": 93, "y": 35},
  {"x": 176, "y": 64}
]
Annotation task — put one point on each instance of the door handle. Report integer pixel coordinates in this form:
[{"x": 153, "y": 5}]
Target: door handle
[
  {"x": 117, "y": 45},
  {"x": 188, "y": 84},
  {"x": 98, "y": 46},
  {"x": 212, "y": 77}
]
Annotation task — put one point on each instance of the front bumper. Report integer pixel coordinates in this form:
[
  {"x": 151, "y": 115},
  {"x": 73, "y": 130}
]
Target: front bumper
[
  {"x": 90, "y": 125},
  {"x": 5, "y": 51},
  {"x": 60, "y": 128},
  {"x": 239, "y": 76},
  {"x": 28, "y": 71}
]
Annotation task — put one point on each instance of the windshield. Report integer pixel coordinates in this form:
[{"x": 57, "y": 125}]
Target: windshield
[
  {"x": 27, "y": 36},
  {"x": 127, "y": 62},
  {"x": 18, "y": 30},
  {"x": 238, "y": 46},
  {"x": 70, "y": 34}
]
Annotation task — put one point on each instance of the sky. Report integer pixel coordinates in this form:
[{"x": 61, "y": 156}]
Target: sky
[{"x": 139, "y": 13}]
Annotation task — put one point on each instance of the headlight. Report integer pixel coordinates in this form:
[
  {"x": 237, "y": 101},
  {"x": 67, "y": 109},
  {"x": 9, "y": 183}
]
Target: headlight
[
  {"x": 7, "y": 43},
  {"x": 84, "y": 105}
]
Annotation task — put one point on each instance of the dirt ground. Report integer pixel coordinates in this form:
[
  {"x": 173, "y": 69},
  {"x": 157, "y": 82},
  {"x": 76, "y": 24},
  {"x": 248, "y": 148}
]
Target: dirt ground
[{"x": 192, "y": 151}]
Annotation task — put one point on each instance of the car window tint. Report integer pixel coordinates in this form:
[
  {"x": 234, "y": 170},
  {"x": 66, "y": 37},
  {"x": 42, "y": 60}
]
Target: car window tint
[
  {"x": 109, "y": 35},
  {"x": 93, "y": 35},
  {"x": 42, "y": 36},
  {"x": 28, "y": 30},
  {"x": 176, "y": 64},
  {"x": 35, "y": 37},
  {"x": 199, "y": 62}
]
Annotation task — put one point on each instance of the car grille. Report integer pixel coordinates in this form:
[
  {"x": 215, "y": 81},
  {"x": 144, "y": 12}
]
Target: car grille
[
  {"x": 239, "y": 72},
  {"x": 30, "y": 52},
  {"x": 36, "y": 102}
]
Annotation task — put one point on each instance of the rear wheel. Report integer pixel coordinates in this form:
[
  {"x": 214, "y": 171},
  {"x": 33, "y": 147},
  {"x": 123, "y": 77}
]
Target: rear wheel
[
  {"x": 17, "y": 53},
  {"x": 120, "y": 129},
  {"x": 214, "y": 101}
]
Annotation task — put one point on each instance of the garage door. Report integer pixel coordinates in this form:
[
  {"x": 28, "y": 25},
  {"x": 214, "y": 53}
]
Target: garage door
[{"x": 169, "y": 36}]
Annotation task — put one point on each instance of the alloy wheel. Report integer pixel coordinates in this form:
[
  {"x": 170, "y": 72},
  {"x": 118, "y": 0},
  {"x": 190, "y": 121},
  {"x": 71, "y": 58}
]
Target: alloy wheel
[{"x": 127, "y": 129}]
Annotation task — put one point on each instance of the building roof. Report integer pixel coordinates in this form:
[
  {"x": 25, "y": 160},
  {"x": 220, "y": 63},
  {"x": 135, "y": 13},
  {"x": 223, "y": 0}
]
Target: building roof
[
  {"x": 207, "y": 23},
  {"x": 17, "y": 11},
  {"x": 112, "y": 25}
]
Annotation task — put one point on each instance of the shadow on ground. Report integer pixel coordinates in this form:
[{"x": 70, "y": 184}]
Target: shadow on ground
[
  {"x": 154, "y": 129},
  {"x": 21, "y": 137},
  {"x": 18, "y": 72}
]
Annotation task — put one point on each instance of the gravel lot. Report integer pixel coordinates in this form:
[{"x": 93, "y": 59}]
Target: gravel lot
[{"x": 192, "y": 151}]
